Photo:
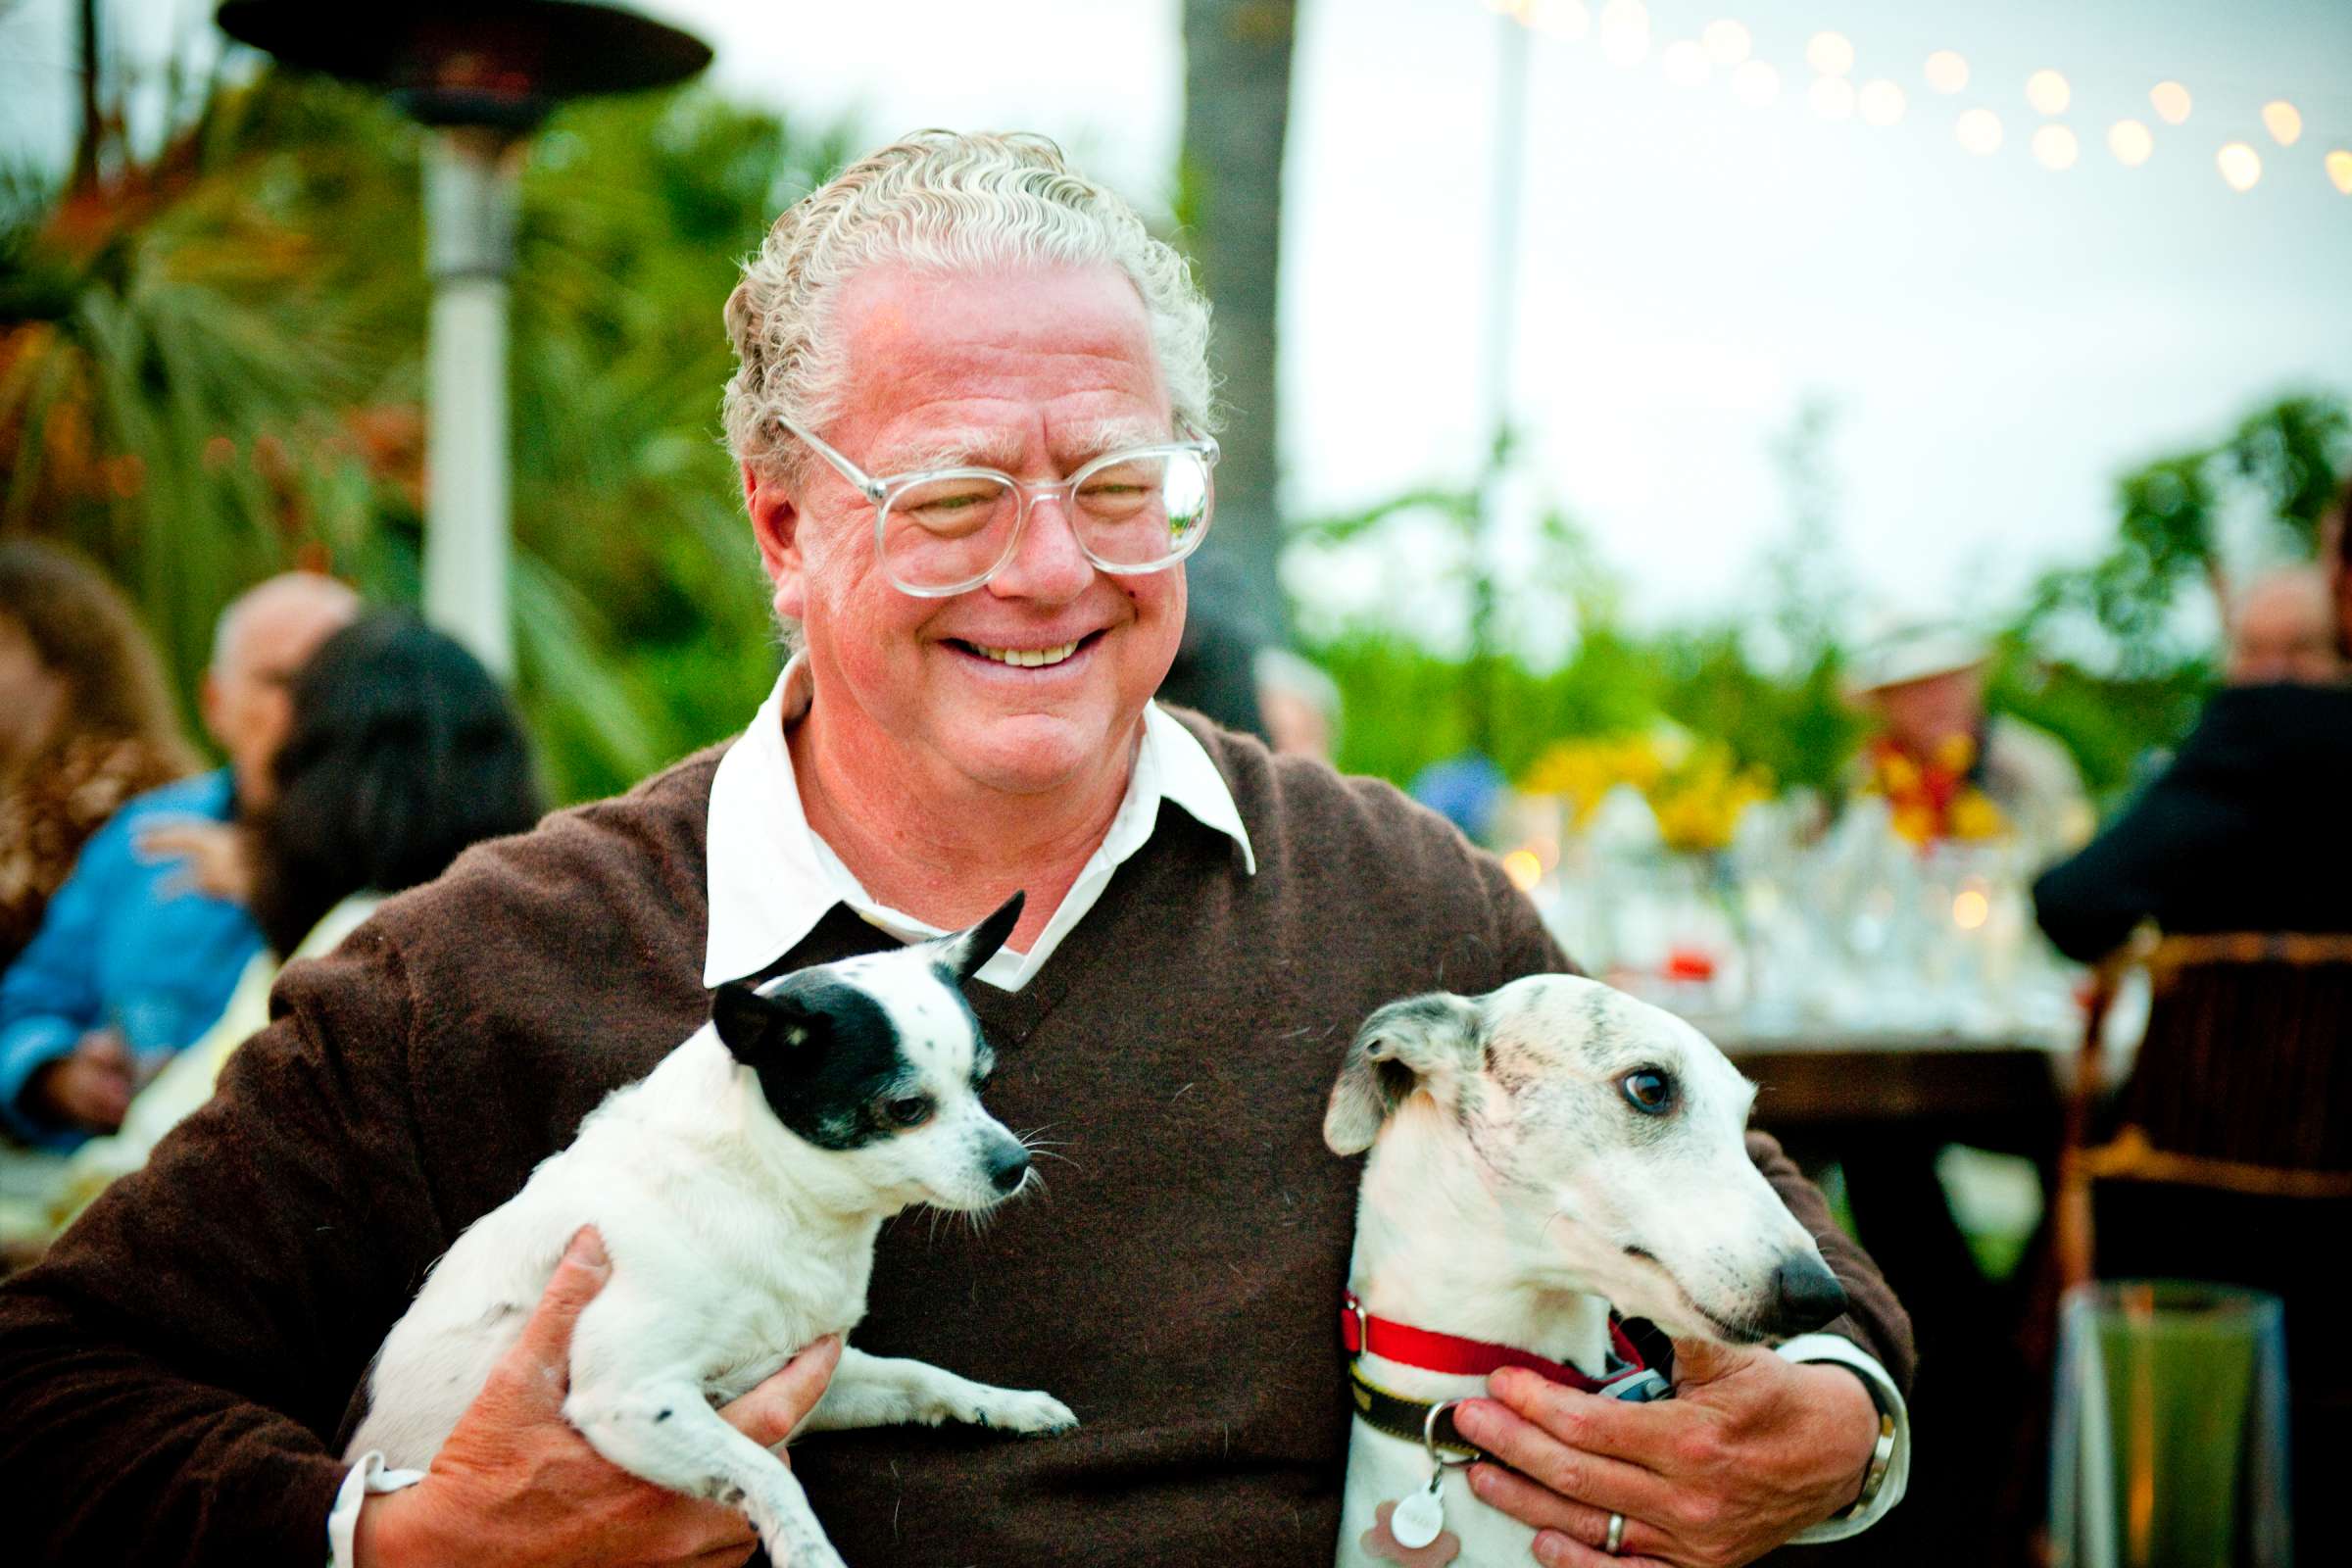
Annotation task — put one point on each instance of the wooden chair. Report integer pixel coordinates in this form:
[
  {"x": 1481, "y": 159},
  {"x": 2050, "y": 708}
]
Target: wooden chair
[
  {"x": 2244, "y": 1084},
  {"x": 2230, "y": 1161}
]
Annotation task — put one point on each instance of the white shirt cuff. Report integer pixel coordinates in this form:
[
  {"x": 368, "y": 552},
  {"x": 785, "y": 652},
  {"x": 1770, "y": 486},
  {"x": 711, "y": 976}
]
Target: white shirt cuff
[
  {"x": 366, "y": 1478},
  {"x": 1846, "y": 1352}
]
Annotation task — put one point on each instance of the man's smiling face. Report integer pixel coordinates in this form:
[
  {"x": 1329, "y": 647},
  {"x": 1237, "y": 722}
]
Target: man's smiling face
[{"x": 1033, "y": 371}]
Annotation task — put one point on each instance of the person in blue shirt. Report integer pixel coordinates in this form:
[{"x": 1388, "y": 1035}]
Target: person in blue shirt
[{"x": 139, "y": 949}]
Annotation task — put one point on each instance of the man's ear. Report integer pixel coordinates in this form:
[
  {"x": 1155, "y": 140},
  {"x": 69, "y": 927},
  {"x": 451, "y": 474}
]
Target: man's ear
[
  {"x": 776, "y": 529},
  {"x": 1426, "y": 1041},
  {"x": 757, "y": 1029},
  {"x": 962, "y": 954}
]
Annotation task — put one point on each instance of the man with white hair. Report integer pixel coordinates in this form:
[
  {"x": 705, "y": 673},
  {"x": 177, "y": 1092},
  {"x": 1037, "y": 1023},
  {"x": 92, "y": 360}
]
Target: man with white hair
[
  {"x": 139, "y": 949},
  {"x": 971, "y": 416}
]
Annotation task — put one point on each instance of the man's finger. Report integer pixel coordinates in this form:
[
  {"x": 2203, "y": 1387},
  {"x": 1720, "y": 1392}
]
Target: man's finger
[
  {"x": 1558, "y": 1462},
  {"x": 769, "y": 1413},
  {"x": 545, "y": 1345},
  {"x": 1640, "y": 1434},
  {"x": 1556, "y": 1551},
  {"x": 1531, "y": 1505}
]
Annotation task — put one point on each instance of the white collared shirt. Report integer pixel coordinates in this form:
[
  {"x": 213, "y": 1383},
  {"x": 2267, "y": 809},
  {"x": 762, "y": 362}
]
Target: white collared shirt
[{"x": 771, "y": 878}]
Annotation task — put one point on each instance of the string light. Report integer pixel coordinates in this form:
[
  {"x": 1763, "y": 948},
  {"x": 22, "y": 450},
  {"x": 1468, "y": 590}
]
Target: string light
[
  {"x": 2132, "y": 142},
  {"x": 1625, "y": 32},
  {"x": 1685, "y": 63},
  {"x": 2240, "y": 164},
  {"x": 1883, "y": 103},
  {"x": 1624, "y": 27},
  {"x": 1979, "y": 131},
  {"x": 1831, "y": 54},
  {"x": 2055, "y": 147},
  {"x": 1727, "y": 42},
  {"x": 1560, "y": 18},
  {"x": 1755, "y": 83}
]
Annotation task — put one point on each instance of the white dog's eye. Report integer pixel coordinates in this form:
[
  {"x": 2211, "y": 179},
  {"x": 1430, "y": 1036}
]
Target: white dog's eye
[
  {"x": 911, "y": 1112},
  {"x": 1649, "y": 1091}
]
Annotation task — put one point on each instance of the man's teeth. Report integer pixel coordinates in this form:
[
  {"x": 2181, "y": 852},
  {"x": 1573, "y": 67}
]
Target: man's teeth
[{"x": 1026, "y": 657}]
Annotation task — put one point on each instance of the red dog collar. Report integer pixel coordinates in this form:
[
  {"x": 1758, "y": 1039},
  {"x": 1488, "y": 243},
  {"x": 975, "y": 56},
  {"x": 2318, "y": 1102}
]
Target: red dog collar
[{"x": 1362, "y": 1334}]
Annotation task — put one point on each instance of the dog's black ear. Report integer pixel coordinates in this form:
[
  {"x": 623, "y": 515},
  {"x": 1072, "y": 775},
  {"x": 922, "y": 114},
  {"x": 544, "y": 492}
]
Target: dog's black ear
[
  {"x": 962, "y": 954},
  {"x": 1423, "y": 1042},
  {"x": 754, "y": 1028}
]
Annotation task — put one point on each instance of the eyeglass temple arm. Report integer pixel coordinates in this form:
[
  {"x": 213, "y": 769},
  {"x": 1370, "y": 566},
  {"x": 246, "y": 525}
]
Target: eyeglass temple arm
[{"x": 867, "y": 485}]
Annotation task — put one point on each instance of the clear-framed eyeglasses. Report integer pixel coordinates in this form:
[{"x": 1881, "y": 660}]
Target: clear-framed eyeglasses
[{"x": 942, "y": 531}]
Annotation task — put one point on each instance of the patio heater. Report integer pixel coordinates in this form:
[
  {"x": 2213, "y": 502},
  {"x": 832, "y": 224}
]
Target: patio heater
[{"x": 480, "y": 74}]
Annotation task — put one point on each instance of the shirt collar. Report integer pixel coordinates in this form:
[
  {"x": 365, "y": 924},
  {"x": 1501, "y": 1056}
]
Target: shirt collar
[{"x": 772, "y": 878}]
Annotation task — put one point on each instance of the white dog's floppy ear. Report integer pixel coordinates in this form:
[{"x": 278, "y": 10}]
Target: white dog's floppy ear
[
  {"x": 962, "y": 954},
  {"x": 754, "y": 1027},
  {"x": 1422, "y": 1042}
]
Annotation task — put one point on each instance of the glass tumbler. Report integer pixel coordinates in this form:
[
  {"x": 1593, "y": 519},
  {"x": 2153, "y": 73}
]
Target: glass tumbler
[{"x": 2169, "y": 1443}]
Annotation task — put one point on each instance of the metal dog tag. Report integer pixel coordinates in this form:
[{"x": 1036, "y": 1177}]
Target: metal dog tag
[{"x": 1419, "y": 1517}]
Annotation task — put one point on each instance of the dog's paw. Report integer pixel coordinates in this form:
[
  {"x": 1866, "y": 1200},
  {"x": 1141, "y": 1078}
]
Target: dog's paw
[{"x": 1021, "y": 1410}]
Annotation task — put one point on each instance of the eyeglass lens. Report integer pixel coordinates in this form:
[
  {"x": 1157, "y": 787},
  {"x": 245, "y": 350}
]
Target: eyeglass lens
[{"x": 1131, "y": 512}]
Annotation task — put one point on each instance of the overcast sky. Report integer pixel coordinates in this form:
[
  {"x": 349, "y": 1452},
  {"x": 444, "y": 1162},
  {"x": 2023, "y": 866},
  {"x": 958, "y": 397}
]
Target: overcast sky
[{"x": 1998, "y": 340}]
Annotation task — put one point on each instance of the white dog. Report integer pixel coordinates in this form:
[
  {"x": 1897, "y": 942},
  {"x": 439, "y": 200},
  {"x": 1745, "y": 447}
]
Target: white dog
[
  {"x": 738, "y": 1188},
  {"x": 1539, "y": 1154}
]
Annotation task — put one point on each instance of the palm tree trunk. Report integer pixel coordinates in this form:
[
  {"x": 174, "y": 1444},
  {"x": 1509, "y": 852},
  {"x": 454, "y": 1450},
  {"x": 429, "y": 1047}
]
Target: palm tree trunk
[
  {"x": 1237, "y": 104},
  {"x": 93, "y": 124}
]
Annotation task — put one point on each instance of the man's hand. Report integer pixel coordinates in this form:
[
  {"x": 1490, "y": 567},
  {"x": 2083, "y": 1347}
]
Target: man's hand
[
  {"x": 1752, "y": 1449},
  {"x": 516, "y": 1485},
  {"x": 217, "y": 856},
  {"x": 90, "y": 1088}
]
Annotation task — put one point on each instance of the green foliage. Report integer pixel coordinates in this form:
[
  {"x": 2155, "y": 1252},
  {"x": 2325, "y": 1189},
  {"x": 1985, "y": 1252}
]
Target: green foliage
[
  {"x": 2282, "y": 462},
  {"x": 211, "y": 369}
]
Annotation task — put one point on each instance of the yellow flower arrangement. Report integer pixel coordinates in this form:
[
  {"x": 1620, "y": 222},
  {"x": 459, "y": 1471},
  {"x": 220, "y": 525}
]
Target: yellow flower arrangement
[{"x": 1697, "y": 791}]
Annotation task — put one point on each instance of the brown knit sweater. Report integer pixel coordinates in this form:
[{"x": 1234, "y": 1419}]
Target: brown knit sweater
[{"x": 177, "y": 1374}]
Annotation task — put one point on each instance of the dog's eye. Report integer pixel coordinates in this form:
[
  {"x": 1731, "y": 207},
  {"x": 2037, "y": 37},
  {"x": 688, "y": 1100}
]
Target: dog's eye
[
  {"x": 912, "y": 1111},
  {"x": 1649, "y": 1091}
]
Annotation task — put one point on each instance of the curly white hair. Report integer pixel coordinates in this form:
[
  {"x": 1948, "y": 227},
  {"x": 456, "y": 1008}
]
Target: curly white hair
[{"x": 944, "y": 201}]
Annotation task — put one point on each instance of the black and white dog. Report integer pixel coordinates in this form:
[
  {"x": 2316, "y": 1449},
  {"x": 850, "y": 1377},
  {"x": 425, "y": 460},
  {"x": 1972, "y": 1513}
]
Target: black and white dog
[
  {"x": 1538, "y": 1155},
  {"x": 738, "y": 1188}
]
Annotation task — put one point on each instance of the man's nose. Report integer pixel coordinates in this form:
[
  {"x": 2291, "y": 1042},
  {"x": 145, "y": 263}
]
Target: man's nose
[{"x": 1047, "y": 562}]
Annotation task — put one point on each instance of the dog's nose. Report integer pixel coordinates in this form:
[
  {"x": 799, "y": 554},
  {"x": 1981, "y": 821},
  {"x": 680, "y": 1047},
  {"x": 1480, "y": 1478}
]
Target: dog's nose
[
  {"x": 1805, "y": 1294},
  {"x": 1008, "y": 1162}
]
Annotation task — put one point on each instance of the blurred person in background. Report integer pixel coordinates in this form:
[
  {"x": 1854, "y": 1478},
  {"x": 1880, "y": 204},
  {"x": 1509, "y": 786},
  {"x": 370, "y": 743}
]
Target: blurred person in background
[
  {"x": 2282, "y": 628},
  {"x": 1215, "y": 672},
  {"x": 141, "y": 947},
  {"x": 1949, "y": 770},
  {"x": 2244, "y": 830},
  {"x": 1302, "y": 705},
  {"x": 86, "y": 723},
  {"x": 401, "y": 752}
]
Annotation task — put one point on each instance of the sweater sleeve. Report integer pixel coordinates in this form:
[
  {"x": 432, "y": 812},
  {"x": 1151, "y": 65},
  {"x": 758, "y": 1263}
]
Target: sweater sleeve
[
  {"x": 177, "y": 1369},
  {"x": 2089, "y": 903}
]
